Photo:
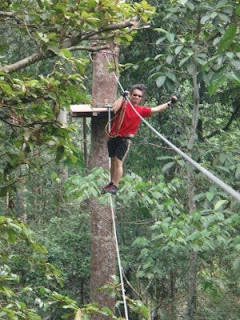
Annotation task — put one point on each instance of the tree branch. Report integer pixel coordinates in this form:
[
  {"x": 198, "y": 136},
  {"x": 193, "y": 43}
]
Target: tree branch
[
  {"x": 116, "y": 26},
  {"x": 29, "y": 125},
  {"x": 10, "y": 15},
  {"x": 233, "y": 117},
  {"x": 7, "y": 14},
  {"x": 25, "y": 62},
  {"x": 88, "y": 48},
  {"x": 69, "y": 43}
]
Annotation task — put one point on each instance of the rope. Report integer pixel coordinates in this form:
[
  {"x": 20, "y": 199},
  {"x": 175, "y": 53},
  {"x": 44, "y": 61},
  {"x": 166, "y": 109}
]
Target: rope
[
  {"x": 207, "y": 173},
  {"x": 120, "y": 114},
  {"x": 115, "y": 235}
]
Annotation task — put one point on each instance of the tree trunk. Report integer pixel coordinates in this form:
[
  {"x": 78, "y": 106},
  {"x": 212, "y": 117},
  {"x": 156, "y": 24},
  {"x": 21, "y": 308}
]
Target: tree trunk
[
  {"x": 172, "y": 294},
  {"x": 62, "y": 168},
  {"x": 20, "y": 203},
  {"x": 103, "y": 252},
  {"x": 191, "y": 308}
]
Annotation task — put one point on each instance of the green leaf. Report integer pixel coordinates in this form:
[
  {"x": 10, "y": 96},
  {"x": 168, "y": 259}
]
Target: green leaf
[
  {"x": 183, "y": 2},
  {"x": 223, "y": 17},
  {"x": 237, "y": 173},
  {"x": 236, "y": 264},
  {"x": 219, "y": 204},
  {"x": 170, "y": 37},
  {"x": 236, "y": 64},
  {"x": 65, "y": 53},
  {"x": 169, "y": 59},
  {"x": 191, "y": 68},
  {"x": 196, "y": 216},
  {"x": 190, "y": 5},
  {"x": 168, "y": 166},
  {"x": 217, "y": 83},
  {"x": 205, "y": 18},
  {"x": 234, "y": 77},
  {"x": 6, "y": 88},
  {"x": 183, "y": 61},
  {"x": 227, "y": 38},
  {"x": 178, "y": 49},
  {"x": 210, "y": 196},
  {"x": 171, "y": 76},
  {"x": 160, "y": 81}
]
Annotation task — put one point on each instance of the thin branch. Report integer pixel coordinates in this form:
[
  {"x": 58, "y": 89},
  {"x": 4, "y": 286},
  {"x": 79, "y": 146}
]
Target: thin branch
[
  {"x": 88, "y": 48},
  {"x": 10, "y": 123},
  {"x": 133, "y": 289},
  {"x": 66, "y": 44},
  {"x": 7, "y": 14},
  {"x": 111, "y": 27},
  {"x": 233, "y": 117},
  {"x": 10, "y": 15},
  {"x": 32, "y": 124}
]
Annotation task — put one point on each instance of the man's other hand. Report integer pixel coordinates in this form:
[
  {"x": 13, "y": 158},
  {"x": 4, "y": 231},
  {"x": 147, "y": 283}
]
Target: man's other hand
[{"x": 174, "y": 99}]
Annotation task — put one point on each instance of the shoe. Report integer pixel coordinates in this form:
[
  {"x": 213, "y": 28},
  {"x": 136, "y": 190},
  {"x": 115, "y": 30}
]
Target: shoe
[
  {"x": 104, "y": 190},
  {"x": 112, "y": 189}
]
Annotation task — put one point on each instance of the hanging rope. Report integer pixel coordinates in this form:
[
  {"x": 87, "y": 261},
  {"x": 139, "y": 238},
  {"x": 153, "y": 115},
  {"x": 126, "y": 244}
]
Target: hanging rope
[
  {"x": 120, "y": 114},
  {"x": 207, "y": 173},
  {"x": 115, "y": 235}
]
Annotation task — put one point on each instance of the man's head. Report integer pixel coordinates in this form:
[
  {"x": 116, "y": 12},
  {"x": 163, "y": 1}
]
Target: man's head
[{"x": 137, "y": 93}]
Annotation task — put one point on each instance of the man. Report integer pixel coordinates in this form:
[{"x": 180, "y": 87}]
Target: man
[{"x": 125, "y": 126}]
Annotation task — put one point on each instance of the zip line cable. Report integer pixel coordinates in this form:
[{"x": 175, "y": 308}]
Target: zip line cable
[
  {"x": 207, "y": 173},
  {"x": 115, "y": 235}
]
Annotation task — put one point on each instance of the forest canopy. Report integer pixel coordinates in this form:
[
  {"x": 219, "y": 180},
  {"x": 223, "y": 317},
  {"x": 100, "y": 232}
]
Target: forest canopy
[{"x": 178, "y": 232}]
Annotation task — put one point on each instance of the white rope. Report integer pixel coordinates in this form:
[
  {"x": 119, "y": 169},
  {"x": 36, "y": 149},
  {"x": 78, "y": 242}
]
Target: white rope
[
  {"x": 207, "y": 173},
  {"x": 115, "y": 236}
]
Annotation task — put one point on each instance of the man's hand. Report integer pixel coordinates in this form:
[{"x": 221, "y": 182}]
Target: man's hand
[
  {"x": 174, "y": 99},
  {"x": 125, "y": 94}
]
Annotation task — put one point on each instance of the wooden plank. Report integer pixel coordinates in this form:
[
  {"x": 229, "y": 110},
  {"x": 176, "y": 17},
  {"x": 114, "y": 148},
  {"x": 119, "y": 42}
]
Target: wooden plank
[{"x": 86, "y": 110}]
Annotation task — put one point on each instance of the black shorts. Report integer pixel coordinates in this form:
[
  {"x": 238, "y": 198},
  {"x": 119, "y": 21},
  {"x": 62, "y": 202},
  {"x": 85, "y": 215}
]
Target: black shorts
[{"x": 118, "y": 147}]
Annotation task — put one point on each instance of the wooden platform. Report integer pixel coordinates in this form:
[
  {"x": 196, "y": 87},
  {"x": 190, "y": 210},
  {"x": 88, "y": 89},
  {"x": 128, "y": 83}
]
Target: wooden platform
[{"x": 86, "y": 110}]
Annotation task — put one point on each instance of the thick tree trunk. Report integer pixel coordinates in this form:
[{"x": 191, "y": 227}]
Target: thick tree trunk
[
  {"x": 103, "y": 252},
  {"x": 192, "y": 296}
]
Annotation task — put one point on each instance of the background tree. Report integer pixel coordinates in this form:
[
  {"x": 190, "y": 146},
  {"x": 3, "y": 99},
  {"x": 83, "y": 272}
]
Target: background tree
[
  {"x": 32, "y": 98},
  {"x": 188, "y": 40}
]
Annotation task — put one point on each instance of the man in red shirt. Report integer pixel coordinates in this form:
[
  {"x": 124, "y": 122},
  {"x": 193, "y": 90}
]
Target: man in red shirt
[{"x": 125, "y": 126}]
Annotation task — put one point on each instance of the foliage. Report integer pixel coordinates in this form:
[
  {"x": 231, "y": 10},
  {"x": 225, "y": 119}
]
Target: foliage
[
  {"x": 15, "y": 294},
  {"x": 43, "y": 54},
  {"x": 43, "y": 62},
  {"x": 31, "y": 102}
]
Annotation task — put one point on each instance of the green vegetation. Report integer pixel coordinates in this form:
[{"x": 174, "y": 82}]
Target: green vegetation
[{"x": 178, "y": 232}]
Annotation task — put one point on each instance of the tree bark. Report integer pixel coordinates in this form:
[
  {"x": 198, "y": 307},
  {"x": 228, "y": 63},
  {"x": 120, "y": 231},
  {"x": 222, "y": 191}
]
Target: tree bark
[
  {"x": 103, "y": 252},
  {"x": 62, "y": 168},
  {"x": 191, "y": 308}
]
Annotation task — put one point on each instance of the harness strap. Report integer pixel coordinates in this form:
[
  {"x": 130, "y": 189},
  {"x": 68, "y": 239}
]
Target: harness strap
[{"x": 120, "y": 115}]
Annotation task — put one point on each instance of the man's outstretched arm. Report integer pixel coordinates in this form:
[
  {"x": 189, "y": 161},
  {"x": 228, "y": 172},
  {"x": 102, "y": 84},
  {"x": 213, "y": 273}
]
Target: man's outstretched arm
[{"x": 164, "y": 106}]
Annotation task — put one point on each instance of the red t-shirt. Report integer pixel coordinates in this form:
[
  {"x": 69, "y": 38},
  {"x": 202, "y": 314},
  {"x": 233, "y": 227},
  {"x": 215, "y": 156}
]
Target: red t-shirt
[{"x": 131, "y": 120}]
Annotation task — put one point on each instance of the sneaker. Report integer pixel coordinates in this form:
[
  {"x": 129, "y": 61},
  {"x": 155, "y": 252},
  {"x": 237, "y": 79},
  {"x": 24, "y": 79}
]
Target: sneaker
[
  {"x": 112, "y": 189},
  {"x": 105, "y": 189}
]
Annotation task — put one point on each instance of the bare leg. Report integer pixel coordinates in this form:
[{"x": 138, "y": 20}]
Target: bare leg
[{"x": 116, "y": 170}]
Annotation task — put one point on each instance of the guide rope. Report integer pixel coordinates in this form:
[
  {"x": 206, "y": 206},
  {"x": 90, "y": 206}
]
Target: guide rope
[
  {"x": 205, "y": 172},
  {"x": 115, "y": 235}
]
